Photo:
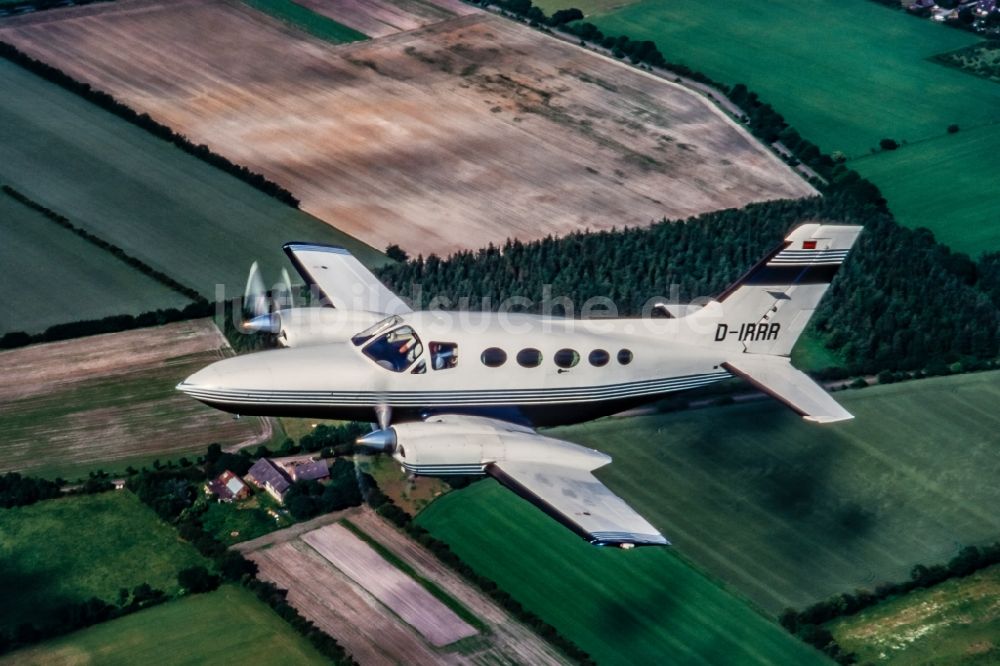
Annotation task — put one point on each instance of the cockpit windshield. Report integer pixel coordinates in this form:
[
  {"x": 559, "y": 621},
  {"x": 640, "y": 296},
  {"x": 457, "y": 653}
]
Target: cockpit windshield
[
  {"x": 395, "y": 350},
  {"x": 376, "y": 328}
]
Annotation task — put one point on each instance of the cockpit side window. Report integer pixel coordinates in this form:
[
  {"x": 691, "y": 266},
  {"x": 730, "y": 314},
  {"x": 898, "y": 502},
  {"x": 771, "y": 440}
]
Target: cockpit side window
[
  {"x": 444, "y": 355},
  {"x": 395, "y": 350},
  {"x": 376, "y": 328}
]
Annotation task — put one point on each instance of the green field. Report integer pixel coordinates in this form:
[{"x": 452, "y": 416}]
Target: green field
[
  {"x": 68, "y": 550},
  {"x": 307, "y": 20},
  {"x": 228, "y": 626},
  {"x": 845, "y": 75},
  {"x": 788, "y": 512},
  {"x": 640, "y": 606},
  {"x": 79, "y": 280},
  {"x": 955, "y": 622},
  {"x": 171, "y": 210}
]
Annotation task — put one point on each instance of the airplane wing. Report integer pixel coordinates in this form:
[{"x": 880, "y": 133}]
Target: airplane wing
[
  {"x": 579, "y": 501},
  {"x": 342, "y": 279},
  {"x": 775, "y": 376},
  {"x": 553, "y": 474}
]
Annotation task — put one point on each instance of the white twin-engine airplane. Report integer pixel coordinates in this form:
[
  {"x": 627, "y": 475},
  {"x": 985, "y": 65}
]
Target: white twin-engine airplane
[{"x": 464, "y": 398}]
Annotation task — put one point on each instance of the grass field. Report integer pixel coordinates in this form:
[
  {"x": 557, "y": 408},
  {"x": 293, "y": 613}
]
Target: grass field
[
  {"x": 846, "y": 75},
  {"x": 51, "y": 276},
  {"x": 442, "y": 138},
  {"x": 788, "y": 513},
  {"x": 956, "y": 622},
  {"x": 306, "y": 19},
  {"x": 109, "y": 401},
  {"x": 173, "y": 211},
  {"x": 68, "y": 550},
  {"x": 621, "y": 607},
  {"x": 226, "y": 626}
]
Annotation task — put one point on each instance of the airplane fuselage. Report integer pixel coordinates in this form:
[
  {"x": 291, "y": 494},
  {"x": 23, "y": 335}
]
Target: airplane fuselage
[{"x": 538, "y": 370}]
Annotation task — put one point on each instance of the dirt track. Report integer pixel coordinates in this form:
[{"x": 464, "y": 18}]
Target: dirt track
[
  {"x": 372, "y": 632},
  {"x": 457, "y": 134}
]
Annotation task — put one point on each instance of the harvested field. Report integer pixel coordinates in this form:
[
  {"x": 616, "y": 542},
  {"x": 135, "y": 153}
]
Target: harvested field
[
  {"x": 451, "y": 136},
  {"x": 370, "y": 630},
  {"x": 109, "y": 401},
  {"x": 379, "y": 18},
  {"x": 407, "y": 599}
]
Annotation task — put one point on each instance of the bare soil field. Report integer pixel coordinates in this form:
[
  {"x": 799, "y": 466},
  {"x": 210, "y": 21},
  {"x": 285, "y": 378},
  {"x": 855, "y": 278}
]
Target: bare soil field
[
  {"x": 450, "y": 136},
  {"x": 379, "y": 18},
  {"x": 109, "y": 401},
  {"x": 370, "y": 630},
  {"x": 401, "y": 593}
]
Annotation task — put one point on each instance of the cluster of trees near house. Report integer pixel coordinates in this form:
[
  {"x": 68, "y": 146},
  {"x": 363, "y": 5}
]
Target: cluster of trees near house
[{"x": 900, "y": 302}]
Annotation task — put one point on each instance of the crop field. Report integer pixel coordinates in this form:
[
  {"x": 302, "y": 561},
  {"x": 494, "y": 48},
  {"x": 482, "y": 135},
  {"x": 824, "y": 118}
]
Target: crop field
[
  {"x": 379, "y": 18},
  {"x": 70, "y": 549},
  {"x": 620, "y": 606},
  {"x": 108, "y": 401},
  {"x": 51, "y": 276},
  {"x": 846, "y": 75},
  {"x": 226, "y": 626},
  {"x": 183, "y": 217},
  {"x": 789, "y": 513},
  {"x": 956, "y": 622},
  {"x": 458, "y": 134},
  {"x": 301, "y": 16},
  {"x": 368, "y": 602}
]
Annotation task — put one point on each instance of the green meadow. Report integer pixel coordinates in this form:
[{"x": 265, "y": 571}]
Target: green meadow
[
  {"x": 647, "y": 605},
  {"x": 67, "y": 550},
  {"x": 228, "y": 626},
  {"x": 788, "y": 512},
  {"x": 845, "y": 75}
]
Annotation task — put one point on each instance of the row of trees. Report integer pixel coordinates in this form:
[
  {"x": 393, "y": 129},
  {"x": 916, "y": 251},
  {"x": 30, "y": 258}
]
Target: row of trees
[
  {"x": 386, "y": 508},
  {"x": 17, "y": 490},
  {"x": 901, "y": 301},
  {"x": 808, "y": 624},
  {"x": 118, "y": 252},
  {"x": 143, "y": 120}
]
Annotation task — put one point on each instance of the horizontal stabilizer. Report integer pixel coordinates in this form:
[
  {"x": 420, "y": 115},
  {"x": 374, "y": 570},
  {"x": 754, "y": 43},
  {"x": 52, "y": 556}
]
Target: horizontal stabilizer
[{"x": 775, "y": 376}]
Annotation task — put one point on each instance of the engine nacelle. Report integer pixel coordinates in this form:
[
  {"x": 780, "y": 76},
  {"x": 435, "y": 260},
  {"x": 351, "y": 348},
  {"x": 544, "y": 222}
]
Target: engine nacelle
[
  {"x": 303, "y": 327},
  {"x": 444, "y": 445}
]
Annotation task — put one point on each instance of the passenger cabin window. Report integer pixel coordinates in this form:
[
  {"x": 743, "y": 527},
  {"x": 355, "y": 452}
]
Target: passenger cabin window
[
  {"x": 395, "y": 350},
  {"x": 566, "y": 358},
  {"x": 529, "y": 358},
  {"x": 444, "y": 355},
  {"x": 493, "y": 357},
  {"x": 599, "y": 358},
  {"x": 624, "y": 356}
]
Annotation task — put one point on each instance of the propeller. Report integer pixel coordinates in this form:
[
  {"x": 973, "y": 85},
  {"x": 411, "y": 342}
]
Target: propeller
[{"x": 260, "y": 307}]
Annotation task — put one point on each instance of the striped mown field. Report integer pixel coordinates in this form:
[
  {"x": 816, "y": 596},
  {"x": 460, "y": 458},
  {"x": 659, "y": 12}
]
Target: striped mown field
[{"x": 789, "y": 512}]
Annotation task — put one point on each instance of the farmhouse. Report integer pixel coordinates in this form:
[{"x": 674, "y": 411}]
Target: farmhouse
[
  {"x": 312, "y": 470},
  {"x": 227, "y": 487},
  {"x": 265, "y": 474}
]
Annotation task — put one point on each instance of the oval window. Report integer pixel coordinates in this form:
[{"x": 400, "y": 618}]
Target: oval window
[
  {"x": 529, "y": 358},
  {"x": 493, "y": 357},
  {"x": 599, "y": 358},
  {"x": 566, "y": 358},
  {"x": 624, "y": 357}
]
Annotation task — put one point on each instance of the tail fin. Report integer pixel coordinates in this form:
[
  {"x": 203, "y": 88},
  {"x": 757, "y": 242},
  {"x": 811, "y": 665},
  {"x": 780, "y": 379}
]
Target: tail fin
[{"x": 765, "y": 311}]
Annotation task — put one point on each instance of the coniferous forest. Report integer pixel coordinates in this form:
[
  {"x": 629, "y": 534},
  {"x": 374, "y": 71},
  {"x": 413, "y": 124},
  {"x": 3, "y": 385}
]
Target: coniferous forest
[{"x": 902, "y": 301}]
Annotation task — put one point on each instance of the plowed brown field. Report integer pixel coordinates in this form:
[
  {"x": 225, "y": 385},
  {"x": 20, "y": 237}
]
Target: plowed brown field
[
  {"x": 453, "y": 135},
  {"x": 108, "y": 401}
]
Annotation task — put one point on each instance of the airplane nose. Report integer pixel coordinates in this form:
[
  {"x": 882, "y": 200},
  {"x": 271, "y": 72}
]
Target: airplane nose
[{"x": 207, "y": 377}]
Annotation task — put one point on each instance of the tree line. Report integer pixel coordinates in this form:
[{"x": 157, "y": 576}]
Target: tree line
[
  {"x": 143, "y": 120},
  {"x": 118, "y": 252},
  {"x": 900, "y": 302},
  {"x": 808, "y": 624}
]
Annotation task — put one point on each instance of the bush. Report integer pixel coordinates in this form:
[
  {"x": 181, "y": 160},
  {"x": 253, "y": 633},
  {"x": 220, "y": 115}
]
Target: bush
[
  {"x": 197, "y": 579},
  {"x": 888, "y": 144}
]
